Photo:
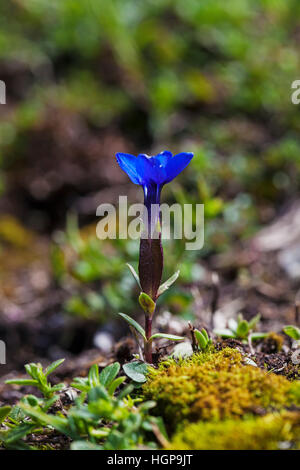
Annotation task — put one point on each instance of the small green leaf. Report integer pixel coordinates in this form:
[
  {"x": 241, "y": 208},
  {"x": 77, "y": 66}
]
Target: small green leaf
[
  {"x": 166, "y": 336},
  {"x": 97, "y": 393},
  {"x": 135, "y": 274},
  {"x": 48, "y": 403},
  {"x": 135, "y": 325},
  {"x": 57, "y": 422},
  {"x": 4, "y": 412},
  {"x": 224, "y": 333},
  {"x": 22, "y": 382},
  {"x": 41, "y": 376},
  {"x": 17, "y": 433},
  {"x": 242, "y": 329},
  {"x": 57, "y": 387},
  {"x": 292, "y": 331},
  {"x": 147, "y": 405},
  {"x": 165, "y": 286},
  {"x": 17, "y": 415},
  {"x": 53, "y": 366},
  {"x": 147, "y": 304},
  {"x": 256, "y": 336},
  {"x": 109, "y": 374},
  {"x": 31, "y": 370},
  {"x": 136, "y": 371},
  {"x": 253, "y": 322},
  {"x": 94, "y": 375},
  {"x": 31, "y": 400},
  {"x": 115, "y": 384},
  {"x": 201, "y": 339},
  {"x": 81, "y": 383},
  {"x": 204, "y": 332},
  {"x": 125, "y": 392}
]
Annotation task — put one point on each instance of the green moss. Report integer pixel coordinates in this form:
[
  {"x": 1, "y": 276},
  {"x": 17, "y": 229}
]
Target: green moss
[
  {"x": 214, "y": 386},
  {"x": 270, "y": 432}
]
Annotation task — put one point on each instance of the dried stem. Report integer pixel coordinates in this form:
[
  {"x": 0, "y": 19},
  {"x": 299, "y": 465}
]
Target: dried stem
[
  {"x": 252, "y": 352},
  {"x": 134, "y": 333},
  {"x": 159, "y": 436},
  {"x": 194, "y": 341}
]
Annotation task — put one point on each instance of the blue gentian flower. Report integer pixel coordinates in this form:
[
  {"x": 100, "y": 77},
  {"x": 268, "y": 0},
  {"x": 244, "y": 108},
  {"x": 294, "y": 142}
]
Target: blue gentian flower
[
  {"x": 152, "y": 173},
  {"x": 157, "y": 170}
]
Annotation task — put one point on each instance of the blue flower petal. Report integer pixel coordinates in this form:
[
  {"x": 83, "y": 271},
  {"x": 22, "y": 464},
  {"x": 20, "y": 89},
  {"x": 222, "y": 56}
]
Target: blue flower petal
[
  {"x": 157, "y": 170},
  {"x": 163, "y": 158},
  {"x": 176, "y": 164},
  {"x": 152, "y": 169},
  {"x": 128, "y": 164},
  {"x": 145, "y": 169}
]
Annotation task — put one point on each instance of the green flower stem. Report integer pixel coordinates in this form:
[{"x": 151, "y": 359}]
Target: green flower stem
[{"x": 147, "y": 343}]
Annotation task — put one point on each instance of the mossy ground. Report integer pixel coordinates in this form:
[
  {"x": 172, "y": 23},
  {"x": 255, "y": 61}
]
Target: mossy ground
[
  {"x": 217, "y": 387},
  {"x": 270, "y": 432}
]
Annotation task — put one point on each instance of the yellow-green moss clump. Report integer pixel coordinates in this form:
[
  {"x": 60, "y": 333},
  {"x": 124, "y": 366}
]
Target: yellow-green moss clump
[
  {"x": 215, "y": 386},
  {"x": 270, "y": 432}
]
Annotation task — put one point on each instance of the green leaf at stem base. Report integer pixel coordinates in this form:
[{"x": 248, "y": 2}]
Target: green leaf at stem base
[
  {"x": 166, "y": 336},
  {"x": 135, "y": 325}
]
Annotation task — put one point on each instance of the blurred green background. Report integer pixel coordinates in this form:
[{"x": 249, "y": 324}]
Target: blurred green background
[{"x": 88, "y": 78}]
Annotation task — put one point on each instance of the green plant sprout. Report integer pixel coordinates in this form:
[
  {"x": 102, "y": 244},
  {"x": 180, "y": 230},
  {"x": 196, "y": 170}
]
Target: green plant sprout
[
  {"x": 152, "y": 173},
  {"x": 39, "y": 378},
  {"x": 241, "y": 329},
  {"x": 107, "y": 379},
  {"x": 200, "y": 339},
  {"x": 293, "y": 332},
  {"x": 99, "y": 419},
  {"x": 148, "y": 305}
]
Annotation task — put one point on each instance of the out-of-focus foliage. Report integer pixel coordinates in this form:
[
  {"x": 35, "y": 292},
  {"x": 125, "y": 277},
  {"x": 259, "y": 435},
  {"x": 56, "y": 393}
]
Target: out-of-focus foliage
[
  {"x": 210, "y": 77},
  {"x": 100, "y": 419},
  {"x": 189, "y": 66}
]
